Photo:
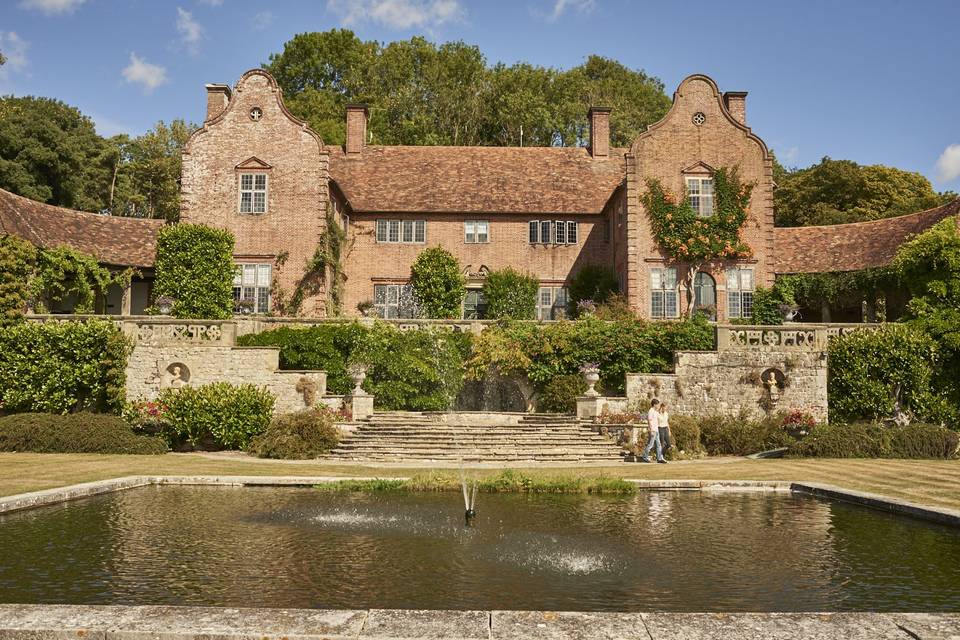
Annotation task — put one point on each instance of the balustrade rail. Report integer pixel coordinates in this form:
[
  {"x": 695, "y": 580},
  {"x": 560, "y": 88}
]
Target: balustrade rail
[{"x": 801, "y": 337}]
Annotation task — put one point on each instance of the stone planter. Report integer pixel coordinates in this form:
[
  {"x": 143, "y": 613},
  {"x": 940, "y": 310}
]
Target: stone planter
[
  {"x": 358, "y": 374},
  {"x": 591, "y": 376}
]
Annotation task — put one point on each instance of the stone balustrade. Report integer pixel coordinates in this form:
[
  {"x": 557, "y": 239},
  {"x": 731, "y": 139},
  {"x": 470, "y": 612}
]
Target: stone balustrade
[{"x": 789, "y": 337}]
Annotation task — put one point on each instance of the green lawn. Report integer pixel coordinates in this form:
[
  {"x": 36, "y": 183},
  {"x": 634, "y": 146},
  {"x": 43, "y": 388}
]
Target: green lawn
[{"x": 930, "y": 482}]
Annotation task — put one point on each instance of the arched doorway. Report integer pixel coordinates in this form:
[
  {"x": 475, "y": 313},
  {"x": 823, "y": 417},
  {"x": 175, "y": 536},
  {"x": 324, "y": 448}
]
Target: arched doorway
[{"x": 705, "y": 295}]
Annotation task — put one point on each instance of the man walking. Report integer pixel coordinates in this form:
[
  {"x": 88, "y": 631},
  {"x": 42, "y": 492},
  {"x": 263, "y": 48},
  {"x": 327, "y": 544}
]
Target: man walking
[{"x": 653, "y": 424}]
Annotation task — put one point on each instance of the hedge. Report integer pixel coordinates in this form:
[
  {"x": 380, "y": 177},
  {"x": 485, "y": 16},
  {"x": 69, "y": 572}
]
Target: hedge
[
  {"x": 195, "y": 267},
  {"x": 74, "y": 433},
  {"x": 511, "y": 294},
  {"x": 218, "y": 414},
  {"x": 871, "y": 440},
  {"x": 62, "y": 367},
  {"x": 298, "y": 436},
  {"x": 438, "y": 282}
]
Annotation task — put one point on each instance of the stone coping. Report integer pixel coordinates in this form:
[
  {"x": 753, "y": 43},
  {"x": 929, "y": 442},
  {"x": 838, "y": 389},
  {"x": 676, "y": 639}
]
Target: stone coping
[
  {"x": 891, "y": 505},
  {"x": 21, "y": 622}
]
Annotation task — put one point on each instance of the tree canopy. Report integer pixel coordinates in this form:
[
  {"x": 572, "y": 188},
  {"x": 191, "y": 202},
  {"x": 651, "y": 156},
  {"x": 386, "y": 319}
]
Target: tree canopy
[
  {"x": 420, "y": 93},
  {"x": 839, "y": 191}
]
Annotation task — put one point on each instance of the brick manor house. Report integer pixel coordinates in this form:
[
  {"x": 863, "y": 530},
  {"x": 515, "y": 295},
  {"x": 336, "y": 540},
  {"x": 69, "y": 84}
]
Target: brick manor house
[{"x": 258, "y": 171}]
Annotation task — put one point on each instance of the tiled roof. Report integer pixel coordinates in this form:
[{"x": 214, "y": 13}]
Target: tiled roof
[
  {"x": 111, "y": 239},
  {"x": 850, "y": 247},
  {"x": 562, "y": 180}
]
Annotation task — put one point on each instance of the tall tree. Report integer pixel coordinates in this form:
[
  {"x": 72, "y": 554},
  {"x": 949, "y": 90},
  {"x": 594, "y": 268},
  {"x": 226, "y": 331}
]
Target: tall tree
[
  {"x": 147, "y": 172},
  {"x": 838, "y": 191}
]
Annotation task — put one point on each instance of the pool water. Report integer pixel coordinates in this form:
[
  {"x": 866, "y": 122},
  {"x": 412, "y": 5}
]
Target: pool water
[{"x": 654, "y": 551}]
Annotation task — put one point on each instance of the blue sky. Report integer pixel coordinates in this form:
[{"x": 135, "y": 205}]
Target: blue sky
[{"x": 873, "y": 81}]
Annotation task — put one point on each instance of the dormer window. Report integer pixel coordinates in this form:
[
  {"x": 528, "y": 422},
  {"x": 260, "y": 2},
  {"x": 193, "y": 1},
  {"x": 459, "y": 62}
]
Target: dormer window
[
  {"x": 700, "y": 193},
  {"x": 253, "y": 193}
]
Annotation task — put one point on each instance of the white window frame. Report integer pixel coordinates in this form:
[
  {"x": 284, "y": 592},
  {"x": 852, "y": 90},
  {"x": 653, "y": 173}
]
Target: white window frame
[
  {"x": 573, "y": 235},
  {"x": 394, "y": 297},
  {"x": 253, "y": 280},
  {"x": 741, "y": 285},
  {"x": 389, "y": 231},
  {"x": 552, "y": 302},
  {"x": 253, "y": 190},
  {"x": 476, "y": 231},
  {"x": 701, "y": 194},
  {"x": 479, "y": 308},
  {"x": 553, "y": 232},
  {"x": 533, "y": 232},
  {"x": 664, "y": 293}
]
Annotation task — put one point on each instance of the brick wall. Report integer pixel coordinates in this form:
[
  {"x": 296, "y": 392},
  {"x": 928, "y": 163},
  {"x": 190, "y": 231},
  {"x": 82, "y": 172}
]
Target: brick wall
[
  {"x": 297, "y": 180},
  {"x": 369, "y": 261},
  {"x": 664, "y": 152}
]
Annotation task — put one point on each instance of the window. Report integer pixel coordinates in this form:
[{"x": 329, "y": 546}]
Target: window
[
  {"x": 700, "y": 192},
  {"x": 402, "y": 231},
  {"x": 663, "y": 293},
  {"x": 394, "y": 300},
  {"x": 474, "y": 305},
  {"x": 739, "y": 292},
  {"x": 552, "y": 303},
  {"x": 553, "y": 232},
  {"x": 252, "y": 282},
  {"x": 253, "y": 193},
  {"x": 476, "y": 231}
]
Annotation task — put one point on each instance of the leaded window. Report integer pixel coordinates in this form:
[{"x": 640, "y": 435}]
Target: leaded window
[
  {"x": 253, "y": 193},
  {"x": 476, "y": 231},
  {"x": 474, "y": 305},
  {"x": 251, "y": 286},
  {"x": 700, "y": 193},
  {"x": 394, "y": 301},
  {"x": 740, "y": 288},
  {"x": 664, "y": 295},
  {"x": 553, "y": 232},
  {"x": 401, "y": 231},
  {"x": 552, "y": 303}
]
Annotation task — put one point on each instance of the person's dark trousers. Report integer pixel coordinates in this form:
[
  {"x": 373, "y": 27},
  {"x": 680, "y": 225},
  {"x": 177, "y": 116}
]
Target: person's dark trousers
[{"x": 665, "y": 438}]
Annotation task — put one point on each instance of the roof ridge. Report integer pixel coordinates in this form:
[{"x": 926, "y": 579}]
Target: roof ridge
[{"x": 953, "y": 203}]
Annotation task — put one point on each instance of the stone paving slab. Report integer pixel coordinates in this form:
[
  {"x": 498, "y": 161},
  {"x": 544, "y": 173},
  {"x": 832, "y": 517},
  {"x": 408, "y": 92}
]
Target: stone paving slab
[
  {"x": 772, "y": 626},
  {"x": 942, "y": 515},
  {"x": 414, "y": 624},
  {"x": 938, "y": 626},
  {"x": 566, "y": 625}
]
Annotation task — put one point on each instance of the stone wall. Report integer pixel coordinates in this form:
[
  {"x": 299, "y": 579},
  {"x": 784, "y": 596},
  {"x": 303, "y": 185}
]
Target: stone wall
[
  {"x": 734, "y": 380},
  {"x": 151, "y": 369}
]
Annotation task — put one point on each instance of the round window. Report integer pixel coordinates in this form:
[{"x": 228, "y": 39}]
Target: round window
[
  {"x": 256, "y": 113},
  {"x": 699, "y": 118}
]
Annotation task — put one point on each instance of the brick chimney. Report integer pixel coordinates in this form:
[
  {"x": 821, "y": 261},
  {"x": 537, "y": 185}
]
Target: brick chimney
[
  {"x": 218, "y": 95},
  {"x": 357, "y": 115},
  {"x": 736, "y": 103},
  {"x": 599, "y": 131}
]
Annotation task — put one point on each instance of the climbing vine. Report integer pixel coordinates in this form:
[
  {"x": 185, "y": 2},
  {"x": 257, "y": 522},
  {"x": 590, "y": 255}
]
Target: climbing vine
[
  {"x": 686, "y": 236},
  {"x": 63, "y": 272}
]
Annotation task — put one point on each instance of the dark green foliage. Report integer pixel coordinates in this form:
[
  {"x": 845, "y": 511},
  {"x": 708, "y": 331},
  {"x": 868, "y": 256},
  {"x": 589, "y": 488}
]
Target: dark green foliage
[
  {"x": 593, "y": 282},
  {"x": 62, "y": 367},
  {"x": 195, "y": 267},
  {"x": 298, "y": 436},
  {"x": 410, "y": 370},
  {"x": 17, "y": 260},
  {"x": 74, "y": 433},
  {"x": 560, "y": 394},
  {"x": 62, "y": 272},
  {"x": 873, "y": 374},
  {"x": 742, "y": 435},
  {"x": 838, "y": 191},
  {"x": 219, "y": 414},
  {"x": 687, "y": 439},
  {"x": 866, "y": 440},
  {"x": 447, "y": 94},
  {"x": 438, "y": 282},
  {"x": 511, "y": 294}
]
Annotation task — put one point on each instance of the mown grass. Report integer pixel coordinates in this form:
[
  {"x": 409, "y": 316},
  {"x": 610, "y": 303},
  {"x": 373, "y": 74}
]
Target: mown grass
[{"x": 507, "y": 481}]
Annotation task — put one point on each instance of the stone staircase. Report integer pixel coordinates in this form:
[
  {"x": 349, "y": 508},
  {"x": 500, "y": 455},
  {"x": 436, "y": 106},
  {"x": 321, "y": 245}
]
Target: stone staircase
[{"x": 425, "y": 437}]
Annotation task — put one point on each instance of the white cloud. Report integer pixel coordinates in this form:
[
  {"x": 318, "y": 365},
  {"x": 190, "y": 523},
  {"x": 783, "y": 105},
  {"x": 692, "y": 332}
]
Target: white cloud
[
  {"x": 398, "y": 14},
  {"x": 141, "y": 72},
  {"x": 189, "y": 29},
  {"x": 261, "y": 20},
  {"x": 52, "y": 7},
  {"x": 14, "y": 49},
  {"x": 560, "y": 7},
  {"x": 948, "y": 165}
]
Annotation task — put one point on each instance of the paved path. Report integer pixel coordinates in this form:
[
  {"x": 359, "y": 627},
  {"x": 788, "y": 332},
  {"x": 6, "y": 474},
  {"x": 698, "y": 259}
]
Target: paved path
[{"x": 176, "y": 623}]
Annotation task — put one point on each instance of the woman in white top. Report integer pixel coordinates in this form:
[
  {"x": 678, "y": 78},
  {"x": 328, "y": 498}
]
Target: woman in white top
[{"x": 663, "y": 425}]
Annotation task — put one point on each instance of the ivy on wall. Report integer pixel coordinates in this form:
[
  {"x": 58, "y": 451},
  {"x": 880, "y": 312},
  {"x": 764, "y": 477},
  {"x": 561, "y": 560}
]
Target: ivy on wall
[
  {"x": 195, "y": 267},
  {"x": 17, "y": 260}
]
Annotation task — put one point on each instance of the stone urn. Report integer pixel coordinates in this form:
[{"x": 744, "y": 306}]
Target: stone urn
[
  {"x": 358, "y": 373},
  {"x": 164, "y": 305},
  {"x": 591, "y": 375}
]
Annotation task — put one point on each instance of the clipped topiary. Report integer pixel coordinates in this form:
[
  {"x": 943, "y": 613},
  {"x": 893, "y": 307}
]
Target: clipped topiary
[
  {"x": 298, "y": 436},
  {"x": 195, "y": 267},
  {"x": 74, "y": 433},
  {"x": 511, "y": 294},
  {"x": 438, "y": 282}
]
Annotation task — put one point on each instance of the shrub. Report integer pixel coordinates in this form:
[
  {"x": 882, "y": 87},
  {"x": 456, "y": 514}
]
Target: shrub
[
  {"x": 593, "y": 282},
  {"x": 511, "y": 294},
  {"x": 195, "y": 267},
  {"x": 17, "y": 260},
  {"x": 62, "y": 367},
  {"x": 218, "y": 413},
  {"x": 438, "y": 282},
  {"x": 616, "y": 309},
  {"x": 742, "y": 435},
  {"x": 74, "y": 433},
  {"x": 298, "y": 436},
  {"x": 686, "y": 437},
  {"x": 870, "y": 440},
  {"x": 875, "y": 374},
  {"x": 560, "y": 394}
]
